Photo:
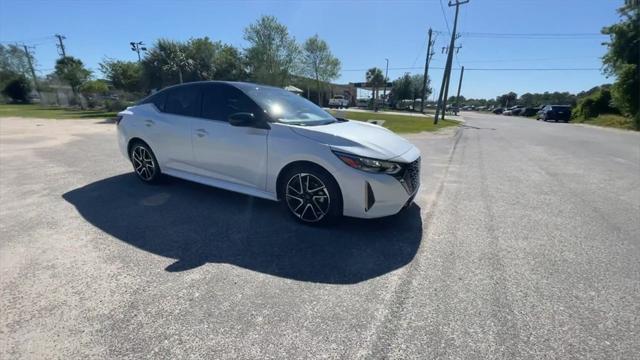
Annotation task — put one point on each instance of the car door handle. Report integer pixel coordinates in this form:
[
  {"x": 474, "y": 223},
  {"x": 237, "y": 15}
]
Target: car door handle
[
  {"x": 201, "y": 132},
  {"x": 148, "y": 123}
]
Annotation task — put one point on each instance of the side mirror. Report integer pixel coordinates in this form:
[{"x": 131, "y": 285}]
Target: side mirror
[{"x": 242, "y": 119}]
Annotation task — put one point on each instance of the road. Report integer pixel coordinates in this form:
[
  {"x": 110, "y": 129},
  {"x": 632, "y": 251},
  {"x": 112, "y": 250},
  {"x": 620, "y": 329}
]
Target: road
[{"x": 524, "y": 243}]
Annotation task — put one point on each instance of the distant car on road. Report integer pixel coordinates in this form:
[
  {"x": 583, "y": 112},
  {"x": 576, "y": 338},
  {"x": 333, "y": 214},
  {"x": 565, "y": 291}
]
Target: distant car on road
[
  {"x": 270, "y": 143},
  {"x": 555, "y": 112}
]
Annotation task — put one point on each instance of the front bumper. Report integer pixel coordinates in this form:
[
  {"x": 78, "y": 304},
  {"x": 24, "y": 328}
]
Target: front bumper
[{"x": 367, "y": 195}]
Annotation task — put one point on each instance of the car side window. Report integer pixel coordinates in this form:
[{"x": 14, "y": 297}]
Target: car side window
[
  {"x": 220, "y": 101},
  {"x": 182, "y": 100},
  {"x": 156, "y": 99}
]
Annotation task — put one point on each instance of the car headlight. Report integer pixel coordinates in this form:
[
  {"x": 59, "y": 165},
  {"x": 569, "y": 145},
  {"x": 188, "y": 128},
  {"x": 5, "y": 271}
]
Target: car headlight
[{"x": 369, "y": 165}]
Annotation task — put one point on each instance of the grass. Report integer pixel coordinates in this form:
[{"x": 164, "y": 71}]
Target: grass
[
  {"x": 47, "y": 112},
  {"x": 609, "y": 120},
  {"x": 400, "y": 123},
  {"x": 394, "y": 122}
]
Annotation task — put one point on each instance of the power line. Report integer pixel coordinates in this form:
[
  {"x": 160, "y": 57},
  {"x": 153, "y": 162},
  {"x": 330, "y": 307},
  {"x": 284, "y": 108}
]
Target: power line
[
  {"x": 444, "y": 15},
  {"x": 532, "y": 59},
  {"x": 532, "y": 35},
  {"x": 533, "y": 69},
  {"x": 487, "y": 69},
  {"x": 27, "y": 40}
]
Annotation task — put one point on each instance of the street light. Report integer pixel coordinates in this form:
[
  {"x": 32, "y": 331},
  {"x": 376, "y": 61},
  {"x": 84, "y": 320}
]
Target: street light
[{"x": 137, "y": 46}]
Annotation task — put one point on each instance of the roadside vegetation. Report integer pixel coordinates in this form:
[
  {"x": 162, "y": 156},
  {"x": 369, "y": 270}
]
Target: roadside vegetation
[
  {"x": 399, "y": 123},
  {"x": 609, "y": 120},
  {"x": 45, "y": 112}
]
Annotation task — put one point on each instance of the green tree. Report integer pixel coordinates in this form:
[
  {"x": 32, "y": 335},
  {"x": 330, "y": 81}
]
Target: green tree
[
  {"x": 201, "y": 53},
  {"x": 13, "y": 64},
  {"x": 375, "y": 79},
  {"x": 508, "y": 99},
  {"x": 416, "y": 86},
  {"x": 18, "y": 89},
  {"x": 72, "y": 71},
  {"x": 229, "y": 64},
  {"x": 272, "y": 54},
  {"x": 176, "y": 61},
  {"x": 94, "y": 87},
  {"x": 527, "y": 99},
  {"x": 596, "y": 103},
  {"x": 162, "y": 65},
  {"x": 13, "y": 59},
  {"x": 622, "y": 61},
  {"x": 402, "y": 88},
  {"x": 123, "y": 75},
  {"x": 319, "y": 63}
]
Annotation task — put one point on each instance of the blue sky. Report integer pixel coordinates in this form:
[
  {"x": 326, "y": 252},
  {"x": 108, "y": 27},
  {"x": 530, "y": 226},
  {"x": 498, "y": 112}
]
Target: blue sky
[{"x": 360, "y": 33}]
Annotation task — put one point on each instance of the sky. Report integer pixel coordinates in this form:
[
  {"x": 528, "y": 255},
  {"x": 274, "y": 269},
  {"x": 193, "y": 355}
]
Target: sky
[{"x": 360, "y": 33}]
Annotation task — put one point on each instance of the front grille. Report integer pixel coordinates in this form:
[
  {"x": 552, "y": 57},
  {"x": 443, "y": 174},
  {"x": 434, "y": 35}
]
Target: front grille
[{"x": 410, "y": 176}]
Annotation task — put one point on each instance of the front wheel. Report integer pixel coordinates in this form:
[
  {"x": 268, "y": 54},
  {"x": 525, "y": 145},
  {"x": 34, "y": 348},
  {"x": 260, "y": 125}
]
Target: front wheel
[
  {"x": 311, "y": 195},
  {"x": 144, "y": 163}
]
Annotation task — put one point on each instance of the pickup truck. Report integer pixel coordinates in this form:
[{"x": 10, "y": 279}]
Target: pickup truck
[{"x": 338, "y": 101}]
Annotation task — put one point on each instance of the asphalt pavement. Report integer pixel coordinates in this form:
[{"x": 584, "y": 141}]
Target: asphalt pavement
[{"x": 523, "y": 243}]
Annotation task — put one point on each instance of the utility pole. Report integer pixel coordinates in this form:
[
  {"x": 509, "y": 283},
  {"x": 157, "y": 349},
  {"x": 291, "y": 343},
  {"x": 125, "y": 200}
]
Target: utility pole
[
  {"x": 430, "y": 54},
  {"x": 61, "y": 45},
  {"x": 137, "y": 46},
  {"x": 33, "y": 72},
  {"x": 459, "y": 86},
  {"x": 445, "y": 99},
  {"x": 384, "y": 94},
  {"x": 447, "y": 69}
]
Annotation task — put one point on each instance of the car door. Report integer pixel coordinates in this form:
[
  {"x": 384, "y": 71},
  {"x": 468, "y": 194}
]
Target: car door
[
  {"x": 168, "y": 130},
  {"x": 225, "y": 152}
]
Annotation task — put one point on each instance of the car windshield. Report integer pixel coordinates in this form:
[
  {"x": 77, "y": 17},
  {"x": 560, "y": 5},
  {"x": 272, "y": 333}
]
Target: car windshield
[
  {"x": 286, "y": 107},
  {"x": 560, "y": 107}
]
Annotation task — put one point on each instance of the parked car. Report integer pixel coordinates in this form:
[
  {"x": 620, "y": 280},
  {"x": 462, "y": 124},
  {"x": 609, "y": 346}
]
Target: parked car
[
  {"x": 555, "y": 112},
  {"x": 497, "y": 111},
  {"x": 514, "y": 110},
  {"x": 338, "y": 101},
  {"x": 270, "y": 143},
  {"x": 530, "y": 111}
]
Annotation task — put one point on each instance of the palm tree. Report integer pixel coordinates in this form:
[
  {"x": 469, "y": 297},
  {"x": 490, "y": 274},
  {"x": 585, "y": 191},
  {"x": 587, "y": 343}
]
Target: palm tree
[
  {"x": 375, "y": 79},
  {"x": 178, "y": 62}
]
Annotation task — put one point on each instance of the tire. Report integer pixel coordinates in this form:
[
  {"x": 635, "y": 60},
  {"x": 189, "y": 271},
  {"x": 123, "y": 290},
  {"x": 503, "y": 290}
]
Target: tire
[
  {"x": 145, "y": 164},
  {"x": 311, "y": 195}
]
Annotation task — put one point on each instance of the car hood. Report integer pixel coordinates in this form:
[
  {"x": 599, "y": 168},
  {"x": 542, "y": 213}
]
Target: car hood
[{"x": 358, "y": 138}]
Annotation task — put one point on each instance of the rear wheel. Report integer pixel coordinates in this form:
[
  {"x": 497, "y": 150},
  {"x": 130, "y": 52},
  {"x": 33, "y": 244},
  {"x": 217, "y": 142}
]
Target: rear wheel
[
  {"x": 144, "y": 163},
  {"x": 311, "y": 195}
]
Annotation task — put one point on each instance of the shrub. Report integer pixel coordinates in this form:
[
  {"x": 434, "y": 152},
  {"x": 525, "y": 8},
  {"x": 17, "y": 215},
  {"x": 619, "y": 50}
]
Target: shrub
[
  {"x": 593, "y": 105},
  {"x": 18, "y": 89},
  {"x": 115, "y": 105}
]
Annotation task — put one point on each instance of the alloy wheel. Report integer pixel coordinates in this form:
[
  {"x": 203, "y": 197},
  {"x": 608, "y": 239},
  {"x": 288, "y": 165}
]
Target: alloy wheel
[
  {"x": 143, "y": 163},
  {"x": 307, "y": 197}
]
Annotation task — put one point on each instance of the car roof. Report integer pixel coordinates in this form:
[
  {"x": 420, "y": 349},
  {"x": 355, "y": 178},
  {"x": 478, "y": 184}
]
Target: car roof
[{"x": 237, "y": 84}]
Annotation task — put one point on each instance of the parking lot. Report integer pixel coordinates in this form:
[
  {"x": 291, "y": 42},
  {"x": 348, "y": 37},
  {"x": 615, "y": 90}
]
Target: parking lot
[{"x": 523, "y": 243}]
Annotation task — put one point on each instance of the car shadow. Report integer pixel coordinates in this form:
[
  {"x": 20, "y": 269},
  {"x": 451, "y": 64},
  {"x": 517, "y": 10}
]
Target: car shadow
[{"x": 196, "y": 224}]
